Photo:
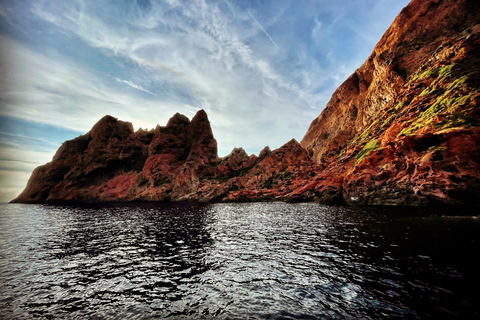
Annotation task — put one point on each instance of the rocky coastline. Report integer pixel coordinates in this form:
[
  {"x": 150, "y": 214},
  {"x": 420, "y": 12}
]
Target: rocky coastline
[{"x": 403, "y": 129}]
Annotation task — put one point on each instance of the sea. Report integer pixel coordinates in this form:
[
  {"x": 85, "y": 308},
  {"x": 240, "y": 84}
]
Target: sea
[{"x": 238, "y": 261}]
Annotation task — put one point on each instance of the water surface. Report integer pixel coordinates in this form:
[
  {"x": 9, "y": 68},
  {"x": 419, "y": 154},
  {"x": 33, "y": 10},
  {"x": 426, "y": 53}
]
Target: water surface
[{"x": 238, "y": 261}]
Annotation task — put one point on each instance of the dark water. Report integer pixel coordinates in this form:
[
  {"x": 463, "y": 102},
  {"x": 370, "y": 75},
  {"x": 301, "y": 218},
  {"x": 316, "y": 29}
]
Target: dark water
[{"x": 238, "y": 261}]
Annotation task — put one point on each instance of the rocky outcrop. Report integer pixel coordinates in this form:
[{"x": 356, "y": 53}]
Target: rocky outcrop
[
  {"x": 403, "y": 129},
  {"x": 114, "y": 163},
  {"x": 178, "y": 162}
]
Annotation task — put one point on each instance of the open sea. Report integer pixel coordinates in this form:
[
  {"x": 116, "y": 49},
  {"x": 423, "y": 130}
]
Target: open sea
[{"x": 238, "y": 261}]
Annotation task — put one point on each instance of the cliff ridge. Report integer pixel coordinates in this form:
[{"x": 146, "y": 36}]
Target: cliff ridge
[{"x": 403, "y": 129}]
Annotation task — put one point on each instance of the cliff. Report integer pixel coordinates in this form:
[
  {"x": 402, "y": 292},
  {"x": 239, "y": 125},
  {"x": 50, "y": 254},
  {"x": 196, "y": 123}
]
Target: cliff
[
  {"x": 403, "y": 129},
  {"x": 177, "y": 162}
]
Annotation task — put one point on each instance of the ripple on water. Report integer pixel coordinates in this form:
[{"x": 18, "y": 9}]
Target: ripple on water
[{"x": 258, "y": 260}]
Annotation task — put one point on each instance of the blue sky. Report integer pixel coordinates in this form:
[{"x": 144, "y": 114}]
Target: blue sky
[{"x": 262, "y": 70}]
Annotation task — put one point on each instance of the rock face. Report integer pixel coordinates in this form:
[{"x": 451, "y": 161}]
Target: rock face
[
  {"x": 178, "y": 162},
  {"x": 114, "y": 163},
  {"x": 403, "y": 129}
]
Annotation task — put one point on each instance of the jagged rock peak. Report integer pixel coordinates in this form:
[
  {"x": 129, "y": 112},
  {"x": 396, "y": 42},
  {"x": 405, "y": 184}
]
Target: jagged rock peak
[
  {"x": 201, "y": 115},
  {"x": 237, "y": 155},
  {"x": 178, "y": 120},
  {"x": 292, "y": 144},
  {"x": 294, "y": 148},
  {"x": 111, "y": 126},
  {"x": 200, "y": 129},
  {"x": 238, "y": 152},
  {"x": 265, "y": 152}
]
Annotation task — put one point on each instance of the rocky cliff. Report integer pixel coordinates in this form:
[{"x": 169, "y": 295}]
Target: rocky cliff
[
  {"x": 403, "y": 129},
  {"x": 177, "y": 162}
]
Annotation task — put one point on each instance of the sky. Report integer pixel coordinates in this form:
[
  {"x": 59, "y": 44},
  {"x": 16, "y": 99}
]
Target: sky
[{"x": 262, "y": 70}]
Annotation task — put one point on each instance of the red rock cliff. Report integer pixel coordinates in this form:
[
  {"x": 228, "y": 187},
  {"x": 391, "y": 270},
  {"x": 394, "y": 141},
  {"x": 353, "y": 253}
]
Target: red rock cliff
[
  {"x": 404, "y": 128},
  {"x": 112, "y": 163}
]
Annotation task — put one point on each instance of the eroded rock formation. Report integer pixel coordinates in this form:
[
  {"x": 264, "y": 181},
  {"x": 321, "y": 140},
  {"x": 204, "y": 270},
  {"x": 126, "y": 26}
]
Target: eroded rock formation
[
  {"x": 403, "y": 129},
  {"x": 178, "y": 162}
]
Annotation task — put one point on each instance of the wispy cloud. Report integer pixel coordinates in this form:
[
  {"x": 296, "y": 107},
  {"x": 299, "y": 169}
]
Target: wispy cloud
[
  {"x": 136, "y": 86},
  {"x": 11, "y": 138},
  {"x": 62, "y": 94},
  {"x": 251, "y": 15},
  {"x": 199, "y": 56},
  {"x": 29, "y": 159},
  {"x": 16, "y": 166}
]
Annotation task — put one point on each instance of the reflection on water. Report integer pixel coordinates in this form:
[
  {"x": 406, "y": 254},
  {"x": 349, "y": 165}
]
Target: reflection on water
[{"x": 234, "y": 261}]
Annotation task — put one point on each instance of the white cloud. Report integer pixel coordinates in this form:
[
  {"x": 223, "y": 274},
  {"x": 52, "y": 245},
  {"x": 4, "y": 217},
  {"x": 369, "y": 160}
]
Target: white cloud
[
  {"x": 12, "y": 137},
  {"x": 202, "y": 55},
  {"x": 201, "y": 52},
  {"x": 136, "y": 86},
  {"x": 316, "y": 30},
  {"x": 16, "y": 159},
  {"x": 56, "y": 92},
  {"x": 16, "y": 166}
]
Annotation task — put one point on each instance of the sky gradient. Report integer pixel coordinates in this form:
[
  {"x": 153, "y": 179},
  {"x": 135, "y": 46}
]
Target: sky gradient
[{"x": 262, "y": 70}]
